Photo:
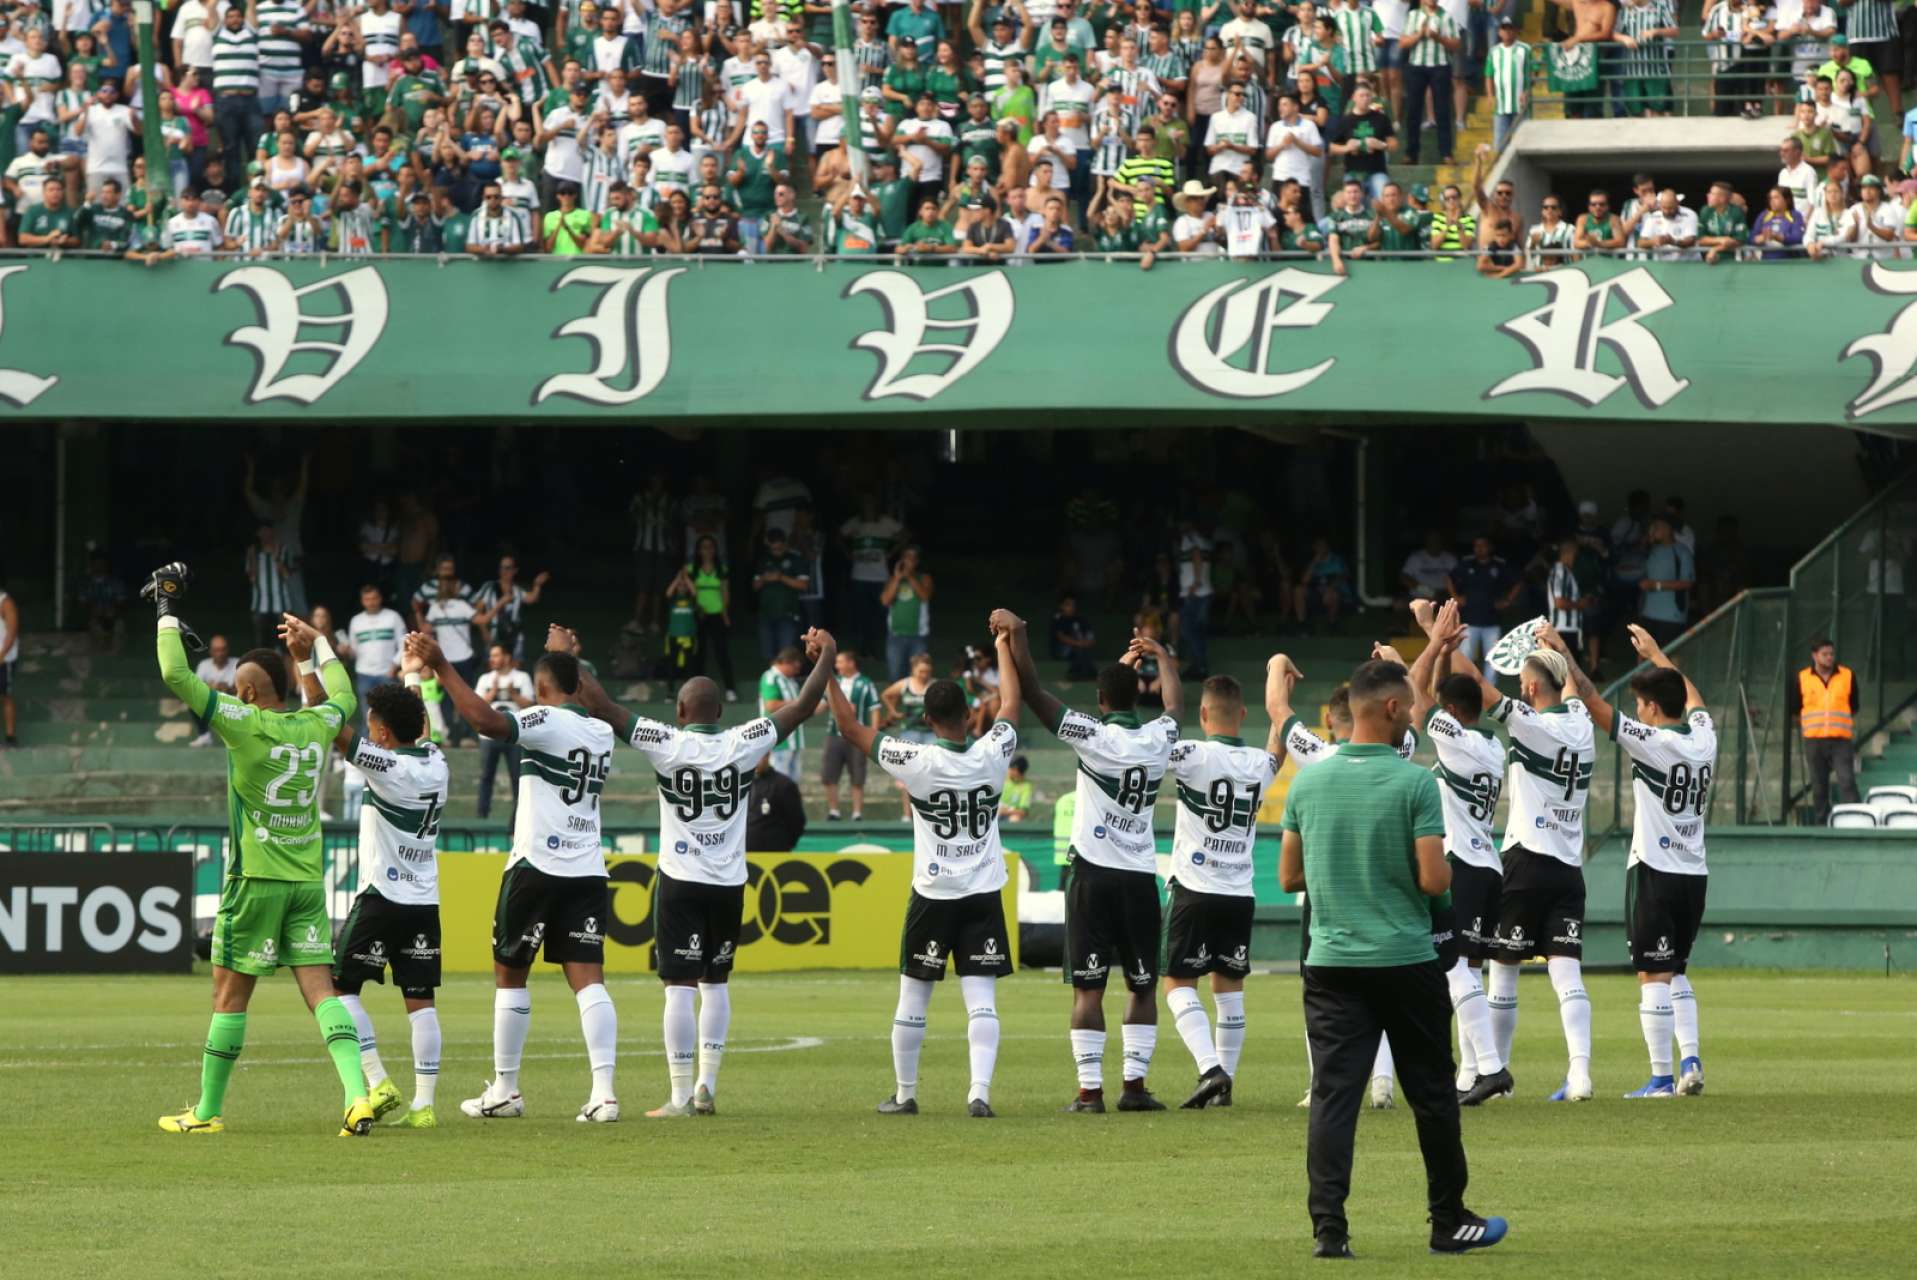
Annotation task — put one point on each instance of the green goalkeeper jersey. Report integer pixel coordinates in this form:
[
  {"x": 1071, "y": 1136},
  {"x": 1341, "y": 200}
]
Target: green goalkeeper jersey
[{"x": 273, "y": 760}]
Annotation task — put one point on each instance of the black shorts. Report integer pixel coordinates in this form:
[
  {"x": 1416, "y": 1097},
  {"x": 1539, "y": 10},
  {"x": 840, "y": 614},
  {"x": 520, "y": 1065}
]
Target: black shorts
[
  {"x": 1476, "y": 895},
  {"x": 971, "y": 930},
  {"x": 1885, "y": 56},
  {"x": 1110, "y": 915},
  {"x": 1208, "y": 933},
  {"x": 1542, "y": 913},
  {"x": 566, "y": 913},
  {"x": 842, "y": 756},
  {"x": 6, "y": 678},
  {"x": 379, "y": 933},
  {"x": 1444, "y": 935},
  {"x": 695, "y": 928},
  {"x": 1662, "y": 912}
]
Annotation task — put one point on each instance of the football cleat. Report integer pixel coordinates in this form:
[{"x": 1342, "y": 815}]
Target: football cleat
[
  {"x": 1470, "y": 1232},
  {"x": 417, "y": 1118},
  {"x": 1496, "y": 1085},
  {"x": 980, "y": 1109},
  {"x": 1139, "y": 1099},
  {"x": 385, "y": 1098},
  {"x": 893, "y": 1107},
  {"x": 702, "y": 1102},
  {"x": 488, "y": 1107},
  {"x": 1333, "y": 1247},
  {"x": 1572, "y": 1092},
  {"x": 606, "y": 1111},
  {"x": 1222, "y": 1099},
  {"x": 1465, "y": 1080},
  {"x": 670, "y": 1110},
  {"x": 1655, "y": 1087},
  {"x": 1690, "y": 1077},
  {"x": 359, "y": 1119},
  {"x": 1210, "y": 1085},
  {"x": 188, "y": 1121},
  {"x": 1088, "y": 1102},
  {"x": 1382, "y": 1097}
]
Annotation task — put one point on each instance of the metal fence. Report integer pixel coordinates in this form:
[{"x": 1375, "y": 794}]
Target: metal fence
[
  {"x": 1704, "y": 77},
  {"x": 1848, "y": 589}
]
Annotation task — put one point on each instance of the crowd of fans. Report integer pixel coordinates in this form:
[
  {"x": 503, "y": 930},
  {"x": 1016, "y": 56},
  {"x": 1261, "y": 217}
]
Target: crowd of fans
[{"x": 991, "y": 130}]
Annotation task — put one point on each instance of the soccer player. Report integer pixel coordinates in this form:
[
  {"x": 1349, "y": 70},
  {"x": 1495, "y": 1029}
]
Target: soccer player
[
  {"x": 840, "y": 754},
  {"x": 1307, "y": 748},
  {"x": 1541, "y": 911},
  {"x": 1470, "y": 771},
  {"x": 958, "y": 869},
  {"x": 395, "y": 919},
  {"x": 1221, "y": 782},
  {"x": 554, "y": 891},
  {"x": 705, "y": 774},
  {"x": 1673, "y": 750},
  {"x": 1111, "y": 892},
  {"x": 273, "y": 903}
]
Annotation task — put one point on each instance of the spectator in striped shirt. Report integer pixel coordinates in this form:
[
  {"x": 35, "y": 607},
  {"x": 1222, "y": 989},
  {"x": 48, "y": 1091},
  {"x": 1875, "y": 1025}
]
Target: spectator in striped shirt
[
  {"x": 285, "y": 31},
  {"x": 236, "y": 83},
  {"x": 272, "y": 574},
  {"x": 300, "y": 232},
  {"x": 1510, "y": 69},
  {"x": 253, "y": 228}
]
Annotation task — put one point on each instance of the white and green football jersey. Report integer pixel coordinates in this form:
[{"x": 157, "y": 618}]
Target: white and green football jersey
[
  {"x": 406, "y": 792},
  {"x": 1307, "y": 748},
  {"x": 1221, "y": 783},
  {"x": 704, "y": 774},
  {"x": 1470, "y": 772},
  {"x": 568, "y": 756},
  {"x": 1671, "y": 769},
  {"x": 1121, "y": 764},
  {"x": 776, "y": 686},
  {"x": 955, "y": 791},
  {"x": 1552, "y": 754}
]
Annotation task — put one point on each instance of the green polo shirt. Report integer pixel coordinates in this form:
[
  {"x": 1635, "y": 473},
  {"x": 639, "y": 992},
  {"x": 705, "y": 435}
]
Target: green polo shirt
[{"x": 1360, "y": 813}]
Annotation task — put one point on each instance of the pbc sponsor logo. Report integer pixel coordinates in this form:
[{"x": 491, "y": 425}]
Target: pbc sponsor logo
[
  {"x": 1198, "y": 858},
  {"x": 789, "y": 902}
]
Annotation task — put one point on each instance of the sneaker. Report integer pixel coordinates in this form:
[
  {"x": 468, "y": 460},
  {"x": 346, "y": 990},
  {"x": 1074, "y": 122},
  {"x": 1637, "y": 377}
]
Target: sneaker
[
  {"x": 385, "y": 1098},
  {"x": 1333, "y": 1247},
  {"x": 893, "y": 1107},
  {"x": 1382, "y": 1097},
  {"x": 832, "y": 815},
  {"x": 605, "y": 1111},
  {"x": 1089, "y": 1102},
  {"x": 1655, "y": 1087},
  {"x": 1690, "y": 1077},
  {"x": 857, "y": 816},
  {"x": 1468, "y": 1232},
  {"x": 1579, "y": 1091},
  {"x": 1210, "y": 1085},
  {"x": 702, "y": 1103},
  {"x": 671, "y": 1110},
  {"x": 980, "y": 1109},
  {"x": 1496, "y": 1085},
  {"x": 1139, "y": 1099},
  {"x": 417, "y": 1118},
  {"x": 489, "y": 1106}
]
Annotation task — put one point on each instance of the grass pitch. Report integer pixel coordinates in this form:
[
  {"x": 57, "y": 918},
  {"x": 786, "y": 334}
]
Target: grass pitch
[{"x": 1799, "y": 1159}]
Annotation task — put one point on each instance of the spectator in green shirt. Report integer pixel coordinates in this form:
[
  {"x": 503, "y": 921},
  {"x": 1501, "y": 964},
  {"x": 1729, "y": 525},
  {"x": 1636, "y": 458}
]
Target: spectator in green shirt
[
  {"x": 892, "y": 194},
  {"x": 1722, "y": 227},
  {"x": 1015, "y": 801},
  {"x": 782, "y": 577},
  {"x": 914, "y": 27},
  {"x": 107, "y": 224},
  {"x": 757, "y": 168},
  {"x": 854, "y": 229},
  {"x": 1364, "y": 833},
  {"x": 930, "y": 236},
  {"x": 787, "y": 230},
  {"x": 50, "y": 224}
]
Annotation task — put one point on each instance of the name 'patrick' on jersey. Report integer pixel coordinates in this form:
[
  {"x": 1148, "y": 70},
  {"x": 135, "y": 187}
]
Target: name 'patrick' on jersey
[
  {"x": 1221, "y": 782},
  {"x": 1120, "y": 766},
  {"x": 955, "y": 792},
  {"x": 705, "y": 775}
]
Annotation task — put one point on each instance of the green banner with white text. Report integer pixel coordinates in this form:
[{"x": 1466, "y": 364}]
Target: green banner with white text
[{"x": 1070, "y": 343}]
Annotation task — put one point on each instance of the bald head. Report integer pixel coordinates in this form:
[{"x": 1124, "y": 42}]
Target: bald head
[{"x": 699, "y": 701}]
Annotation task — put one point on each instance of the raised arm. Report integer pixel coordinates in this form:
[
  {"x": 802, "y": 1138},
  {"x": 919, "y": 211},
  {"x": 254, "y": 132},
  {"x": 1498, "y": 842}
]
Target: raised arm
[
  {"x": 322, "y": 676},
  {"x": 1434, "y": 661},
  {"x": 1170, "y": 687},
  {"x": 1426, "y": 616},
  {"x": 165, "y": 589},
  {"x": 1648, "y": 649},
  {"x": 486, "y": 720},
  {"x": 1602, "y": 712},
  {"x": 1008, "y": 625},
  {"x": 592, "y": 694},
  {"x": 821, "y": 649}
]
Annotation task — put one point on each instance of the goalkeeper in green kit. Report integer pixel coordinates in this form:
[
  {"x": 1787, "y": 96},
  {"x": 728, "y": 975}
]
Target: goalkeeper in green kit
[{"x": 273, "y": 902}]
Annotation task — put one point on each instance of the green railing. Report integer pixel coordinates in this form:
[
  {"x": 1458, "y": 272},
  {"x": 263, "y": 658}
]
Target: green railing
[
  {"x": 1706, "y": 77},
  {"x": 1744, "y": 656}
]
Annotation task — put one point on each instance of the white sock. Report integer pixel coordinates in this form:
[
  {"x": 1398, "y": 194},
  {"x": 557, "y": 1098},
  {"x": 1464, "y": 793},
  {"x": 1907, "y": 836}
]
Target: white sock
[
  {"x": 1467, "y": 1056},
  {"x": 715, "y": 1019},
  {"x": 425, "y": 1055},
  {"x": 601, "y": 1025},
  {"x": 368, "y": 1043},
  {"x": 908, "y": 1035},
  {"x": 1088, "y": 1051},
  {"x": 512, "y": 1019},
  {"x": 1655, "y": 1016},
  {"x": 1194, "y": 1028},
  {"x": 1501, "y": 997},
  {"x": 1574, "y": 1009},
  {"x": 1684, "y": 1016},
  {"x": 682, "y": 1039},
  {"x": 1382, "y": 1065},
  {"x": 1231, "y": 1029},
  {"x": 1476, "y": 1039},
  {"x": 981, "y": 1032},
  {"x": 1138, "y": 1040}
]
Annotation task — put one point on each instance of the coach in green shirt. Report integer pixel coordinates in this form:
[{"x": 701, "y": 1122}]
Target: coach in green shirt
[{"x": 1364, "y": 832}]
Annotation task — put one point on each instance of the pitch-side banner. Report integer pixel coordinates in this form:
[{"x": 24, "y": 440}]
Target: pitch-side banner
[
  {"x": 96, "y": 912},
  {"x": 628, "y": 339},
  {"x": 802, "y": 911}
]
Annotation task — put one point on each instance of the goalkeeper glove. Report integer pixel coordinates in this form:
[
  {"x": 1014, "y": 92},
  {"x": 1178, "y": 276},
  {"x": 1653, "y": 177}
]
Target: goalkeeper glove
[{"x": 166, "y": 588}]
